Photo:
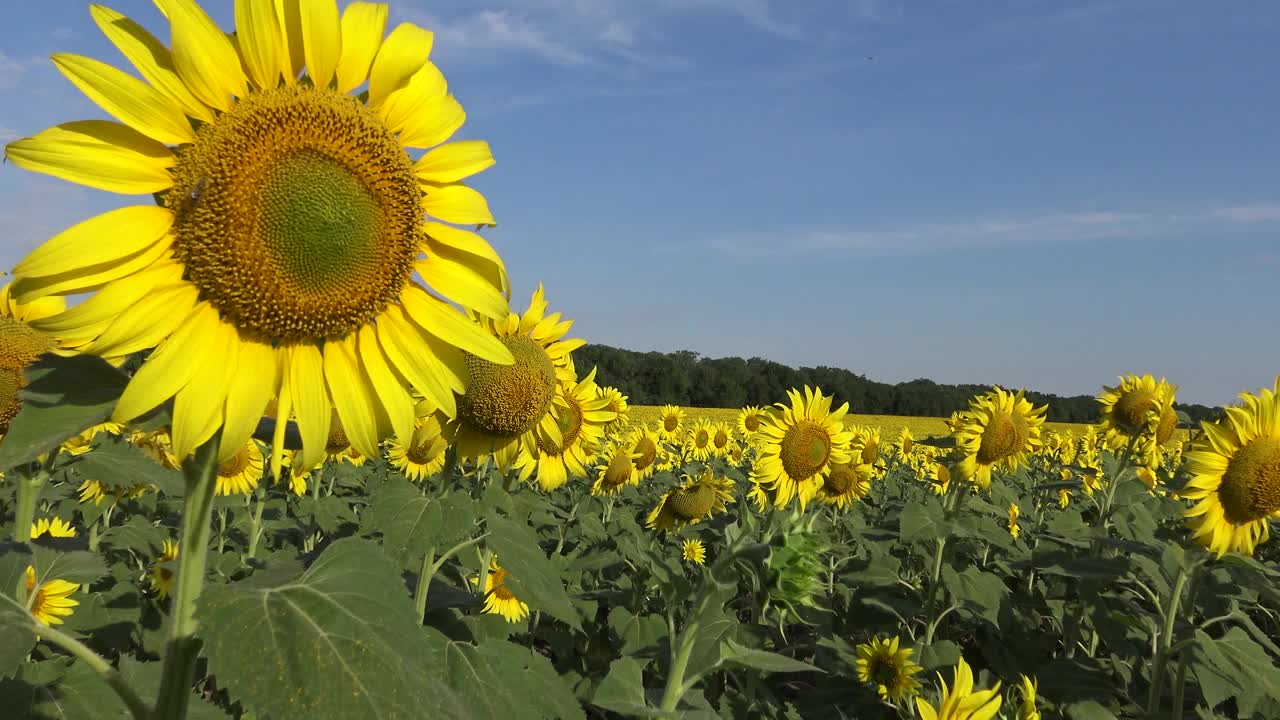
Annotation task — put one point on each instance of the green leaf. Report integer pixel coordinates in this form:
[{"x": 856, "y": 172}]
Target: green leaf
[
  {"x": 115, "y": 462},
  {"x": 637, "y": 632},
  {"x": 412, "y": 523},
  {"x": 922, "y": 521},
  {"x": 17, "y": 634},
  {"x": 939, "y": 654},
  {"x": 532, "y": 577},
  {"x": 64, "y": 396},
  {"x": 1089, "y": 710},
  {"x": 1235, "y": 667},
  {"x": 622, "y": 690},
  {"x": 502, "y": 681},
  {"x": 979, "y": 592},
  {"x": 343, "y": 640},
  {"x": 771, "y": 662},
  {"x": 80, "y": 695}
]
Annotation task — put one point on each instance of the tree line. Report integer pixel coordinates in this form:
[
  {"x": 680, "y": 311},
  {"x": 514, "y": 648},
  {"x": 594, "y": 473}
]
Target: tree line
[{"x": 686, "y": 379}]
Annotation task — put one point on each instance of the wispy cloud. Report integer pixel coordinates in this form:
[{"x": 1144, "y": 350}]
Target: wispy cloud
[
  {"x": 1041, "y": 229},
  {"x": 497, "y": 31},
  {"x": 11, "y": 72}
]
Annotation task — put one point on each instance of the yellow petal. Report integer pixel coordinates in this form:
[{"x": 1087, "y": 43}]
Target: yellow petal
[
  {"x": 455, "y": 161},
  {"x": 99, "y": 154},
  {"x": 310, "y": 402},
  {"x": 259, "y": 34},
  {"x": 390, "y": 391},
  {"x": 205, "y": 58},
  {"x": 401, "y": 55},
  {"x": 322, "y": 39},
  {"x": 467, "y": 242},
  {"x": 26, "y": 289},
  {"x": 152, "y": 59},
  {"x": 128, "y": 99},
  {"x": 284, "y": 410},
  {"x": 436, "y": 121},
  {"x": 199, "y": 407},
  {"x": 248, "y": 393},
  {"x": 107, "y": 238},
  {"x": 363, "y": 24},
  {"x": 402, "y": 342},
  {"x": 293, "y": 54},
  {"x": 352, "y": 396},
  {"x": 147, "y": 322},
  {"x": 445, "y": 322},
  {"x": 426, "y": 85},
  {"x": 457, "y": 204},
  {"x": 170, "y": 367},
  {"x": 459, "y": 282}
]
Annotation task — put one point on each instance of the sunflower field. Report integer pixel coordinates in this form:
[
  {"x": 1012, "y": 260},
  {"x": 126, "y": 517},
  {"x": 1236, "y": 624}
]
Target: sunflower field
[{"x": 276, "y": 444}]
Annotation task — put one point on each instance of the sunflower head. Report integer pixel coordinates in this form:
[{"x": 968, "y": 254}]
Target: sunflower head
[
  {"x": 691, "y": 502},
  {"x": 498, "y": 596},
  {"x": 506, "y": 401},
  {"x": 799, "y": 444},
  {"x": 50, "y": 601},
  {"x": 698, "y": 444},
  {"x": 54, "y": 527},
  {"x": 882, "y": 663},
  {"x": 1001, "y": 429},
  {"x": 670, "y": 422},
  {"x": 20, "y": 346},
  {"x": 616, "y": 471},
  {"x": 1139, "y": 411},
  {"x": 693, "y": 551},
  {"x": 961, "y": 700},
  {"x": 240, "y": 473},
  {"x": 845, "y": 484},
  {"x": 750, "y": 419}
]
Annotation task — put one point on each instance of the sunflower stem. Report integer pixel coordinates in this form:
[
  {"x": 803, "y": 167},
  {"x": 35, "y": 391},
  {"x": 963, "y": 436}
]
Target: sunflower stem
[
  {"x": 183, "y": 648},
  {"x": 674, "y": 690},
  {"x": 30, "y": 483},
  {"x": 255, "y": 530},
  {"x": 424, "y": 582},
  {"x": 99, "y": 665},
  {"x": 1161, "y": 657}
]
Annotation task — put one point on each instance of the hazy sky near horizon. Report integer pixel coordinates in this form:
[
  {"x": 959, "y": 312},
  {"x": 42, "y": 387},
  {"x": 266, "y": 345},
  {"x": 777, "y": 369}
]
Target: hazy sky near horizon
[{"x": 1024, "y": 192}]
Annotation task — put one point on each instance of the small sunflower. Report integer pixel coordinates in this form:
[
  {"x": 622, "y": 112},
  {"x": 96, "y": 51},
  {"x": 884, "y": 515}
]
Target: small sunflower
[
  {"x": 865, "y": 445},
  {"x": 693, "y": 551},
  {"x": 939, "y": 478},
  {"x": 240, "y": 473},
  {"x": 160, "y": 576},
  {"x": 846, "y": 484},
  {"x": 1014, "y": 529},
  {"x": 1000, "y": 431},
  {"x": 1064, "y": 498},
  {"x": 1235, "y": 475},
  {"x": 697, "y": 443},
  {"x": 50, "y": 601},
  {"x": 617, "y": 404},
  {"x": 961, "y": 702},
  {"x": 55, "y": 527},
  {"x": 758, "y": 496},
  {"x": 645, "y": 447},
  {"x": 906, "y": 443},
  {"x": 424, "y": 455},
  {"x": 691, "y": 502},
  {"x": 881, "y": 662},
  {"x": 562, "y": 439},
  {"x": 1028, "y": 710},
  {"x": 1139, "y": 410},
  {"x": 81, "y": 443},
  {"x": 498, "y": 598},
  {"x": 670, "y": 422},
  {"x": 721, "y": 439},
  {"x": 617, "y": 469},
  {"x": 799, "y": 444},
  {"x": 750, "y": 418}
]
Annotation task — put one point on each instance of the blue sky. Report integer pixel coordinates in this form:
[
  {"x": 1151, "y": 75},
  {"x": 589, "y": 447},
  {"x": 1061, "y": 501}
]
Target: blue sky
[{"x": 1020, "y": 192}]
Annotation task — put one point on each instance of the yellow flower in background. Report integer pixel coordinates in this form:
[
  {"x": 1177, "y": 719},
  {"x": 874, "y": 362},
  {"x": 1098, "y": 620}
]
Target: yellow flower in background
[
  {"x": 939, "y": 478},
  {"x": 961, "y": 701},
  {"x": 906, "y": 443},
  {"x": 240, "y": 473},
  {"x": 55, "y": 527},
  {"x": 693, "y": 551},
  {"x": 563, "y": 439},
  {"x": 1235, "y": 475},
  {"x": 671, "y": 422},
  {"x": 499, "y": 599},
  {"x": 1139, "y": 411},
  {"x": 882, "y": 663},
  {"x": 845, "y": 484},
  {"x": 721, "y": 439},
  {"x": 691, "y": 502},
  {"x": 1001, "y": 430},
  {"x": 50, "y": 601},
  {"x": 798, "y": 446},
  {"x": 697, "y": 443},
  {"x": 1014, "y": 529},
  {"x": 20, "y": 346},
  {"x": 617, "y": 469},
  {"x": 865, "y": 446},
  {"x": 1064, "y": 498},
  {"x": 1027, "y": 710},
  {"x": 749, "y": 420},
  {"x": 81, "y": 443},
  {"x": 299, "y": 252},
  {"x": 645, "y": 446},
  {"x": 424, "y": 454},
  {"x": 617, "y": 403},
  {"x": 160, "y": 576},
  {"x": 759, "y": 497}
]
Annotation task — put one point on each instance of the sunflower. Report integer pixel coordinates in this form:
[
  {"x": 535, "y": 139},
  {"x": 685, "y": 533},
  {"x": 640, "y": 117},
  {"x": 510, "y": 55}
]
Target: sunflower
[
  {"x": 691, "y": 502},
  {"x": 160, "y": 576},
  {"x": 1235, "y": 475},
  {"x": 798, "y": 446},
  {"x": 939, "y": 478},
  {"x": 1014, "y": 529},
  {"x": 424, "y": 455},
  {"x": 292, "y": 470},
  {"x": 1028, "y": 710},
  {"x": 240, "y": 473},
  {"x": 498, "y": 598},
  {"x": 617, "y": 404},
  {"x": 616, "y": 470},
  {"x": 697, "y": 444},
  {"x": 1064, "y": 498},
  {"x": 737, "y": 453},
  {"x": 20, "y": 346},
  {"x": 865, "y": 445},
  {"x": 721, "y": 439},
  {"x": 668, "y": 460},
  {"x": 81, "y": 443},
  {"x": 561, "y": 440},
  {"x": 845, "y": 484},
  {"x": 505, "y": 403},
  {"x": 281, "y": 259},
  {"x": 906, "y": 443},
  {"x": 1139, "y": 411},
  {"x": 157, "y": 446},
  {"x": 671, "y": 422},
  {"x": 884, "y": 664},
  {"x": 750, "y": 418},
  {"x": 758, "y": 496},
  {"x": 645, "y": 448},
  {"x": 694, "y": 551},
  {"x": 50, "y": 601},
  {"x": 55, "y": 527},
  {"x": 1001, "y": 429},
  {"x": 961, "y": 702}
]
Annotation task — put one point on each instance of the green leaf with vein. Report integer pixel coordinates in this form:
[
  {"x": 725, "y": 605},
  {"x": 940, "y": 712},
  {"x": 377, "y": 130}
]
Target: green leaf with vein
[
  {"x": 115, "y": 462},
  {"x": 342, "y": 640},
  {"x": 412, "y": 523},
  {"x": 64, "y": 396},
  {"x": 532, "y": 576},
  {"x": 502, "y": 681}
]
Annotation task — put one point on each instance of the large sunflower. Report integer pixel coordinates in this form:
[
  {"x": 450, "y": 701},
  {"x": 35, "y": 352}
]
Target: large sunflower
[
  {"x": 1001, "y": 429},
  {"x": 1235, "y": 475},
  {"x": 1140, "y": 411},
  {"x": 799, "y": 445},
  {"x": 292, "y": 221},
  {"x": 20, "y": 346},
  {"x": 562, "y": 440},
  {"x": 505, "y": 403}
]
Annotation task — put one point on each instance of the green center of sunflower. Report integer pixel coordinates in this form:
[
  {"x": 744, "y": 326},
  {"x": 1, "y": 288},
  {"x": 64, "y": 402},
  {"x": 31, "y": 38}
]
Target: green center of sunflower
[
  {"x": 619, "y": 470},
  {"x": 1131, "y": 410},
  {"x": 235, "y": 465},
  {"x": 19, "y": 347},
  {"x": 297, "y": 214},
  {"x": 507, "y": 400},
  {"x": 693, "y": 502},
  {"x": 569, "y": 420},
  {"x": 1251, "y": 484},
  {"x": 1004, "y": 436},
  {"x": 804, "y": 450},
  {"x": 648, "y": 451},
  {"x": 841, "y": 480}
]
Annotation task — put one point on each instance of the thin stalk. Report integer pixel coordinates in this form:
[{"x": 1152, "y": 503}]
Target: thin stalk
[
  {"x": 255, "y": 531},
  {"x": 1180, "y": 680},
  {"x": 1166, "y": 641},
  {"x": 674, "y": 690},
  {"x": 30, "y": 483},
  {"x": 193, "y": 553},
  {"x": 99, "y": 665},
  {"x": 424, "y": 582}
]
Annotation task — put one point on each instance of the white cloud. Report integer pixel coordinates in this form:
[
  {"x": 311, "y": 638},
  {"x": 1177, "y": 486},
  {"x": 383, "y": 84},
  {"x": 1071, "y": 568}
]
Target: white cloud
[
  {"x": 497, "y": 31},
  {"x": 1249, "y": 213},
  {"x": 11, "y": 72}
]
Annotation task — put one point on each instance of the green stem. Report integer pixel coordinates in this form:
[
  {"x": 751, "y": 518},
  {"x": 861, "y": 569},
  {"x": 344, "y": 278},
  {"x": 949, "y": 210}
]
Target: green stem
[
  {"x": 29, "y": 486},
  {"x": 679, "y": 663},
  {"x": 193, "y": 552},
  {"x": 222, "y": 530},
  {"x": 485, "y": 557},
  {"x": 1166, "y": 641},
  {"x": 1180, "y": 681},
  {"x": 424, "y": 582},
  {"x": 255, "y": 531},
  {"x": 99, "y": 665}
]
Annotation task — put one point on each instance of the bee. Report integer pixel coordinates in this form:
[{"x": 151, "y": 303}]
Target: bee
[{"x": 197, "y": 192}]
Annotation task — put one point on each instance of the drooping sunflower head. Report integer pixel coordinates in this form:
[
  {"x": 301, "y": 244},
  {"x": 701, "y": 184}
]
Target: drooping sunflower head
[
  {"x": 498, "y": 597},
  {"x": 295, "y": 233},
  {"x": 424, "y": 453},
  {"x": 1139, "y": 409},
  {"x": 883, "y": 663},
  {"x": 698, "y": 441},
  {"x": 846, "y": 484},
  {"x": 50, "y": 599},
  {"x": 617, "y": 468},
  {"x": 692, "y": 501},
  {"x": 20, "y": 346},
  {"x": 670, "y": 423},
  {"x": 1001, "y": 430},
  {"x": 1235, "y": 475},
  {"x": 693, "y": 551},
  {"x": 799, "y": 444},
  {"x": 240, "y": 473},
  {"x": 796, "y": 564}
]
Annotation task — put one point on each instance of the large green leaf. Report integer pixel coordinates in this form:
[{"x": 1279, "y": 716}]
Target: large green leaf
[
  {"x": 1235, "y": 666},
  {"x": 532, "y": 576},
  {"x": 622, "y": 690},
  {"x": 340, "y": 641},
  {"x": 770, "y": 662},
  {"x": 114, "y": 461},
  {"x": 411, "y": 523},
  {"x": 64, "y": 396},
  {"x": 922, "y": 521},
  {"x": 501, "y": 681},
  {"x": 17, "y": 634},
  {"x": 981, "y": 593}
]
